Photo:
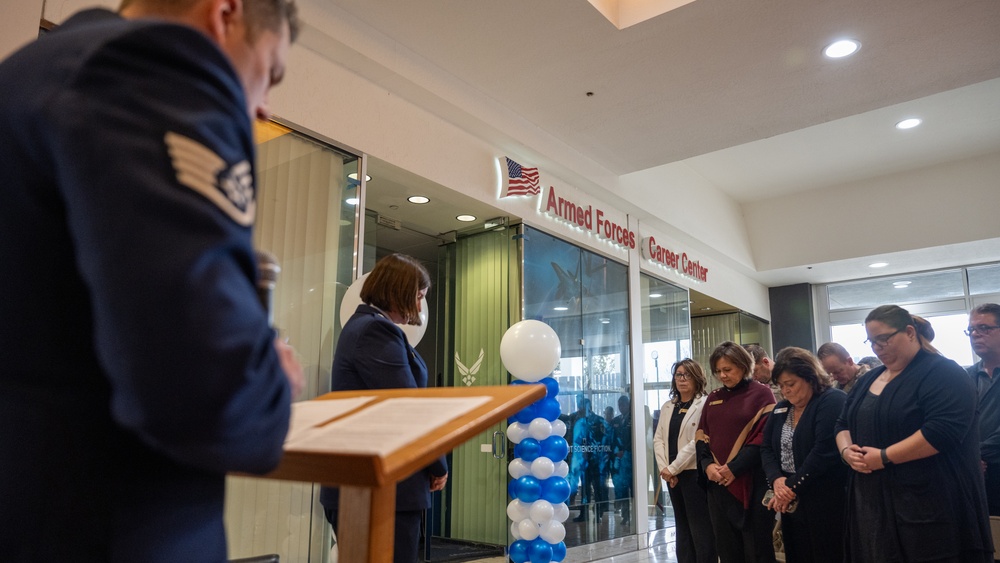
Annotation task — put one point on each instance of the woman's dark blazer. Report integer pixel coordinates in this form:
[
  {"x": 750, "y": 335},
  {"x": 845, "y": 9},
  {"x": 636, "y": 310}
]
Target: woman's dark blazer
[
  {"x": 373, "y": 353},
  {"x": 818, "y": 468}
]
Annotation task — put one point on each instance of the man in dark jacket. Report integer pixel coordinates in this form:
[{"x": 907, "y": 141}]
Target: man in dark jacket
[{"x": 138, "y": 365}]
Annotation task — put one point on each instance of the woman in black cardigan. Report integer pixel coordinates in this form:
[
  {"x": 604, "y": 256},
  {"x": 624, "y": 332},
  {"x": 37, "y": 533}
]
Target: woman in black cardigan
[
  {"x": 799, "y": 455},
  {"x": 909, "y": 432}
]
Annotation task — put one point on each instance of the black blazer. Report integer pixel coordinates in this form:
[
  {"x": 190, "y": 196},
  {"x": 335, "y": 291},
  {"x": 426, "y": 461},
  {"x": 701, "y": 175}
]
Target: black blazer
[
  {"x": 814, "y": 448},
  {"x": 373, "y": 353}
]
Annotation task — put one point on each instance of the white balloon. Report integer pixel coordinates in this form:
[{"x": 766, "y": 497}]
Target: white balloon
[
  {"x": 558, "y": 428},
  {"x": 516, "y": 432},
  {"x": 541, "y": 511},
  {"x": 530, "y": 350},
  {"x": 527, "y": 529},
  {"x": 519, "y": 468},
  {"x": 560, "y": 512},
  {"x": 542, "y": 468},
  {"x": 517, "y": 510},
  {"x": 540, "y": 429},
  {"x": 514, "y": 530},
  {"x": 352, "y": 298},
  {"x": 561, "y": 469},
  {"x": 552, "y": 531}
]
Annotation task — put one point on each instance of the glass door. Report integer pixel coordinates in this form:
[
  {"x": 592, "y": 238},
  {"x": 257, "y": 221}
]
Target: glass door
[{"x": 666, "y": 339}]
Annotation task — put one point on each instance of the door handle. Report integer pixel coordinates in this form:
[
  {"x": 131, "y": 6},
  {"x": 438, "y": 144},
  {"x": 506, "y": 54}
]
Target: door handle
[{"x": 501, "y": 451}]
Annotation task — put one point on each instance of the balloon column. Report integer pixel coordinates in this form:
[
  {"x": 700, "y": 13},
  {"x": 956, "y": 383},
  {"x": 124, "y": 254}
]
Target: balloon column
[{"x": 538, "y": 488}]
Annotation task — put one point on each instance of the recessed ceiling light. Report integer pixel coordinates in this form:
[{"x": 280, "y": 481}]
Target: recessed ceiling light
[
  {"x": 466, "y": 218},
  {"x": 842, "y": 48},
  {"x": 605, "y": 320},
  {"x": 878, "y": 264},
  {"x": 417, "y": 199},
  {"x": 351, "y": 201},
  {"x": 909, "y": 123},
  {"x": 901, "y": 284},
  {"x": 560, "y": 308},
  {"x": 354, "y": 176},
  {"x": 655, "y": 295}
]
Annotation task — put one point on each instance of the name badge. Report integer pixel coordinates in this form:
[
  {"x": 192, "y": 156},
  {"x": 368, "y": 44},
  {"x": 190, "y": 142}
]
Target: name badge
[
  {"x": 781, "y": 410},
  {"x": 719, "y": 402},
  {"x": 682, "y": 411}
]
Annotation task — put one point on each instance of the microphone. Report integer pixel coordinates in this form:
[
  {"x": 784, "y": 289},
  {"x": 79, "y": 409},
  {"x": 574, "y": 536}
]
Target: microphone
[{"x": 268, "y": 270}]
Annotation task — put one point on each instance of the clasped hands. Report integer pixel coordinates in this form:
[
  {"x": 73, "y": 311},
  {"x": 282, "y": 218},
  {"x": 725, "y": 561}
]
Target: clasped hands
[
  {"x": 670, "y": 478},
  {"x": 863, "y": 459},
  {"x": 783, "y": 496},
  {"x": 720, "y": 474}
]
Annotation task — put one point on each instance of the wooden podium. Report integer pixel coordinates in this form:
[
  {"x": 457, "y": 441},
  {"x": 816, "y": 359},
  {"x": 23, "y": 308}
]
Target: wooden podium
[{"x": 367, "y": 479}]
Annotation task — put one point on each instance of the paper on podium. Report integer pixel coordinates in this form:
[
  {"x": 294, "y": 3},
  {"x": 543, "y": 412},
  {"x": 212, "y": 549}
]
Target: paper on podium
[
  {"x": 379, "y": 429},
  {"x": 307, "y": 414}
]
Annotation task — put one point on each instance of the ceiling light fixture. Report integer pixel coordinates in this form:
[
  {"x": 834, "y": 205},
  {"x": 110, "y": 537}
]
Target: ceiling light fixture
[
  {"x": 655, "y": 295},
  {"x": 842, "y": 48},
  {"x": 561, "y": 308},
  {"x": 354, "y": 176},
  {"x": 466, "y": 218},
  {"x": 351, "y": 201},
  {"x": 909, "y": 123},
  {"x": 878, "y": 264},
  {"x": 418, "y": 199}
]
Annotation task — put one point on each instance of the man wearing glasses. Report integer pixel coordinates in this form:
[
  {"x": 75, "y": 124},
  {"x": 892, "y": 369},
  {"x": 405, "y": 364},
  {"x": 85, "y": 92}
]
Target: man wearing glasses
[{"x": 984, "y": 334}]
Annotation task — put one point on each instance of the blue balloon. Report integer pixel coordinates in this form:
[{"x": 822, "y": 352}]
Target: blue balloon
[
  {"x": 555, "y": 490},
  {"x": 540, "y": 551},
  {"x": 529, "y": 449},
  {"x": 512, "y": 488},
  {"x": 527, "y": 414},
  {"x": 559, "y": 551},
  {"x": 548, "y": 409},
  {"x": 554, "y": 448},
  {"x": 551, "y": 387},
  {"x": 519, "y": 551},
  {"x": 529, "y": 489}
]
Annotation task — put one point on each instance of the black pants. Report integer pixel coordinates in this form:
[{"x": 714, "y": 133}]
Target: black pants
[
  {"x": 407, "y": 536},
  {"x": 695, "y": 539},
  {"x": 741, "y": 536}
]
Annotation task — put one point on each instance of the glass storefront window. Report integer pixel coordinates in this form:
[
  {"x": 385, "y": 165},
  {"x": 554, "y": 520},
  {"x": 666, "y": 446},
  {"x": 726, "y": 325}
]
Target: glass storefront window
[
  {"x": 901, "y": 289},
  {"x": 306, "y": 220},
  {"x": 984, "y": 279},
  {"x": 666, "y": 338},
  {"x": 584, "y": 298}
]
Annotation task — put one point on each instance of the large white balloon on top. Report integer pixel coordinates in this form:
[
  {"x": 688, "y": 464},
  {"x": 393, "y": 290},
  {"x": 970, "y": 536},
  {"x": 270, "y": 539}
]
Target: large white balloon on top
[
  {"x": 530, "y": 350},
  {"x": 352, "y": 298}
]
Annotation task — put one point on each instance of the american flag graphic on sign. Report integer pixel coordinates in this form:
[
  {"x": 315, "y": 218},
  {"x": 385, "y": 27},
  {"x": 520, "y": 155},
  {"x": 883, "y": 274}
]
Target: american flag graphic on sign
[{"x": 520, "y": 180}]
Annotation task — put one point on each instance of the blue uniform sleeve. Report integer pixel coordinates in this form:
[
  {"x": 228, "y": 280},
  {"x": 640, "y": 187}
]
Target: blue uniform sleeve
[{"x": 162, "y": 237}]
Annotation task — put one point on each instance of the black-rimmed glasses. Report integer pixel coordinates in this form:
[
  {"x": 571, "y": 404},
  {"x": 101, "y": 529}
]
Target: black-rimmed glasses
[
  {"x": 882, "y": 339},
  {"x": 985, "y": 330}
]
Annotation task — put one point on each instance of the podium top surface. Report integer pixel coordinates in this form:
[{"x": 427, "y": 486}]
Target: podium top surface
[{"x": 373, "y": 438}]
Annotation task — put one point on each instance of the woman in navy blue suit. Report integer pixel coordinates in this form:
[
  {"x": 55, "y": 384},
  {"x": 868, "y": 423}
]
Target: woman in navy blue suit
[
  {"x": 373, "y": 353},
  {"x": 799, "y": 455}
]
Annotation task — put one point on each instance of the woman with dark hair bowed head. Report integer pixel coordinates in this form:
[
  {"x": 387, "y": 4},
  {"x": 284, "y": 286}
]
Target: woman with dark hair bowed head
[
  {"x": 909, "y": 433},
  {"x": 799, "y": 455},
  {"x": 728, "y": 453},
  {"x": 674, "y": 448},
  {"x": 373, "y": 353}
]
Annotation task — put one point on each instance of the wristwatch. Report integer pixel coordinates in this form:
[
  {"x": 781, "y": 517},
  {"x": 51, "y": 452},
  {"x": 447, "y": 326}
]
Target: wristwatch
[{"x": 885, "y": 458}]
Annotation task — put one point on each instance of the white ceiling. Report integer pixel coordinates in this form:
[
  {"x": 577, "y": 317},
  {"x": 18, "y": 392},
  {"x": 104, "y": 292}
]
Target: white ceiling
[{"x": 736, "y": 89}]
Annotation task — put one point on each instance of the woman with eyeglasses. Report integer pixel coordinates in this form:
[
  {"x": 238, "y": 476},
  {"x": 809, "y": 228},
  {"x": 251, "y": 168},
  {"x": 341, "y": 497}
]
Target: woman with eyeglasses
[
  {"x": 909, "y": 433},
  {"x": 728, "y": 456},
  {"x": 799, "y": 455},
  {"x": 674, "y": 448}
]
